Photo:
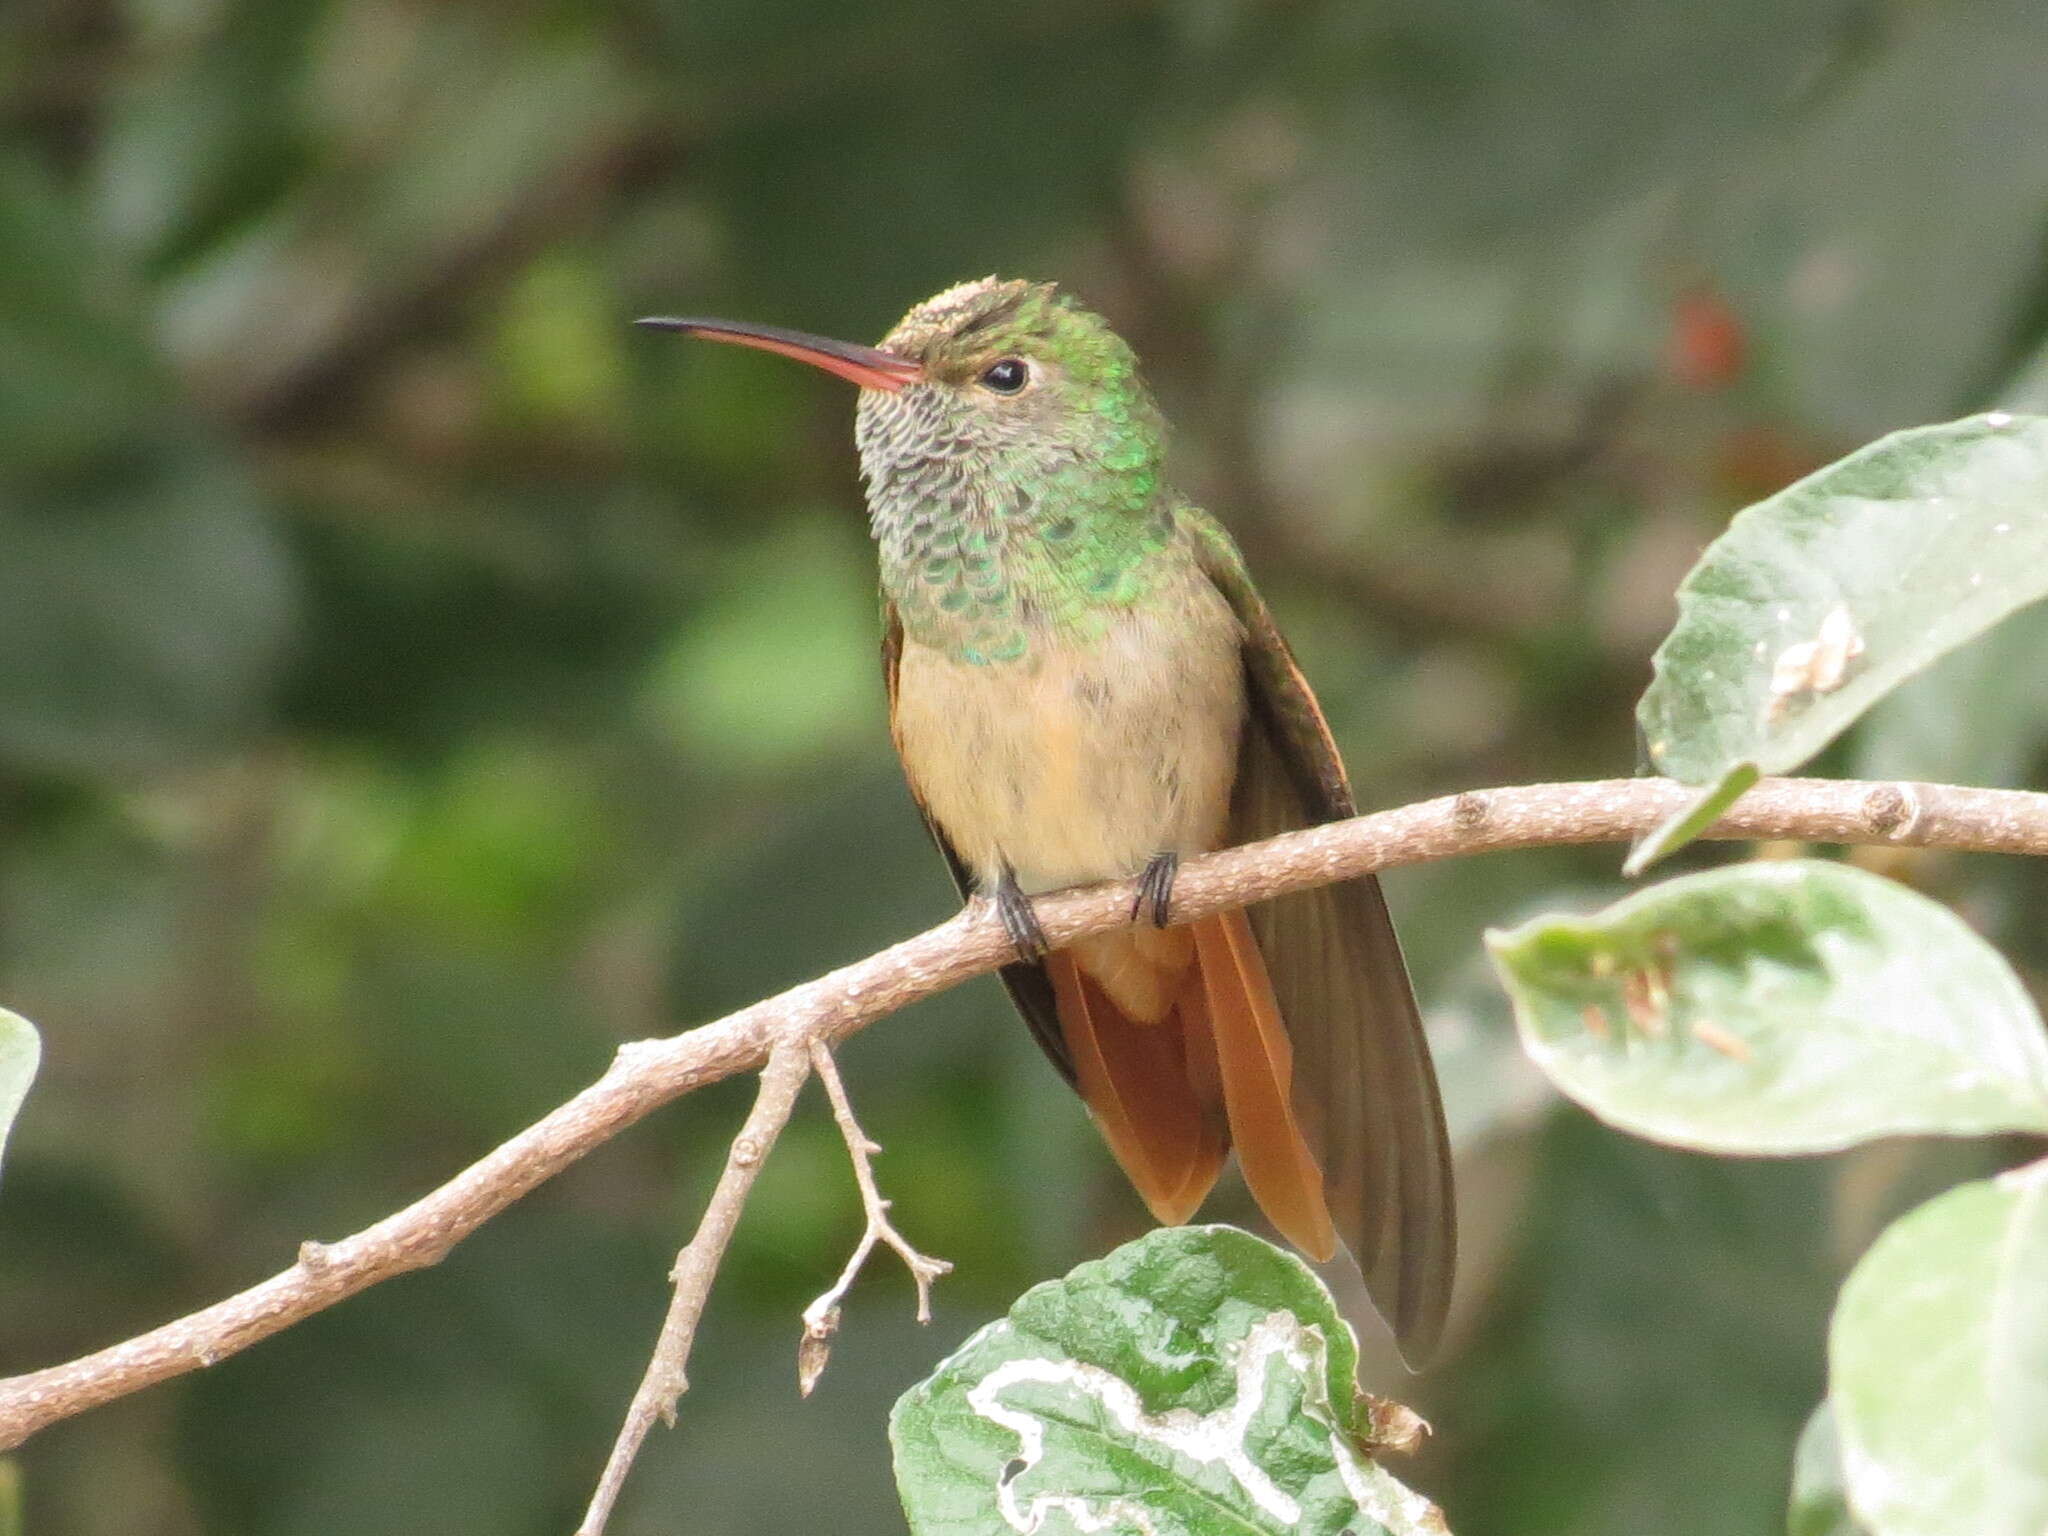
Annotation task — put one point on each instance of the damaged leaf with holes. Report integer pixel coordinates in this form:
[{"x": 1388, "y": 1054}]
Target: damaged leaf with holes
[
  {"x": 1794, "y": 1006},
  {"x": 1195, "y": 1382}
]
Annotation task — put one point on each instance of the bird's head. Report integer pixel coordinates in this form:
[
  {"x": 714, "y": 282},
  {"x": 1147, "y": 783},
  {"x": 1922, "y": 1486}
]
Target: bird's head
[{"x": 997, "y": 399}]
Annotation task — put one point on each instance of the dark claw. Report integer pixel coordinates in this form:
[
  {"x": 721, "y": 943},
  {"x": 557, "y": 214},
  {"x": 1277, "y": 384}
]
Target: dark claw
[
  {"x": 1019, "y": 921},
  {"x": 1155, "y": 888}
]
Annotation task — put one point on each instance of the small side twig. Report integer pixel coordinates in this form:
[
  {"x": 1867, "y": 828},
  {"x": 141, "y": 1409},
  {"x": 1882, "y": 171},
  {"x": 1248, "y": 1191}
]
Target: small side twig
[
  {"x": 821, "y": 1317},
  {"x": 666, "y": 1379}
]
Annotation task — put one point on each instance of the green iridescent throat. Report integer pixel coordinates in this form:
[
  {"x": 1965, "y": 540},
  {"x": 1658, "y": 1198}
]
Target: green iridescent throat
[
  {"x": 986, "y": 589},
  {"x": 1009, "y": 524}
]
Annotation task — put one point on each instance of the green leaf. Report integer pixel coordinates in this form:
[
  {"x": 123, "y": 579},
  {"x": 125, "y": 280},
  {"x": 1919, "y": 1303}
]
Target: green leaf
[
  {"x": 1195, "y": 1381},
  {"x": 1819, "y": 601},
  {"x": 1938, "y": 1363},
  {"x": 1978, "y": 716},
  {"x": 1819, "y": 1506},
  {"x": 20, "y": 1051},
  {"x": 1793, "y": 1006}
]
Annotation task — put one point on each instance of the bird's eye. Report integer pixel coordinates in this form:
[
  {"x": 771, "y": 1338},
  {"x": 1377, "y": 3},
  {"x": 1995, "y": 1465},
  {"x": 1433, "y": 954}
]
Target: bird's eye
[{"x": 1006, "y": 375}]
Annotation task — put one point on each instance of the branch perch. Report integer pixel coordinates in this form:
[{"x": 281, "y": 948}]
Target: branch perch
[
  {"x": 821, "y": 1317},
  {"x": 648, "y": 1074}
]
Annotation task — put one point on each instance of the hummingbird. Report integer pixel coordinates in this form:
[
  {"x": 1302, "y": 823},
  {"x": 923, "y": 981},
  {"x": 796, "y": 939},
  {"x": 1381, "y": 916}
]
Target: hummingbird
[{"x": 1084, "y": 685}]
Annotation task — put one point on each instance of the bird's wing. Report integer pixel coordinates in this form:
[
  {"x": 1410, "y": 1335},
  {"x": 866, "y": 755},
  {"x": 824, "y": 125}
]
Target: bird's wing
[
  {"x": 1364, "y": 1087},
  {"x": 1026, "y": 981}
]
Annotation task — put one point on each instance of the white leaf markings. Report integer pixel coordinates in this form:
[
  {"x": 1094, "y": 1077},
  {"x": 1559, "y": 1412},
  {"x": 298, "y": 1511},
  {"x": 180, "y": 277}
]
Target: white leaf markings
[{"x": 1210, "y": 1439}]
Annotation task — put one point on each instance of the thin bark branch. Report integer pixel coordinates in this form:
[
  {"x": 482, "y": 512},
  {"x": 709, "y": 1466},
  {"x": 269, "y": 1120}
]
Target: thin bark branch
[
  {"x": 821, "y": 1317},
  {"x": 648, "y": 1074},
  {"x": 666, "y": 1378}
]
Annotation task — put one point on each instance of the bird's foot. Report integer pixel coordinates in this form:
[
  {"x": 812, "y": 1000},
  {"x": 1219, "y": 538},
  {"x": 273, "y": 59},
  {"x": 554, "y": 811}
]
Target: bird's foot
[
  {"x": 1019, "y": 921},
  {"x": 1155, "y": 889}
]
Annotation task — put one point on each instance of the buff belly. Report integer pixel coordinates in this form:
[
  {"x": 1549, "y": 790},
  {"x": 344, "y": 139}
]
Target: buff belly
[{"x": 1080, "y": 761}]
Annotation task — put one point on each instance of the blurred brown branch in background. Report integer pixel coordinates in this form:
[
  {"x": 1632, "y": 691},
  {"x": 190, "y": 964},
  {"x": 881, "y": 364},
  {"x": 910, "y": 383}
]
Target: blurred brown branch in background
[{"x": 648, "y": 1074}]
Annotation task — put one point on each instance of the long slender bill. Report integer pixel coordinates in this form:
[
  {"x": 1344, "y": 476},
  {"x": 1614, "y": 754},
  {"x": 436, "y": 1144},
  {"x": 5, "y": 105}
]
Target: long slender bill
[{"x": 869, "y": 367}]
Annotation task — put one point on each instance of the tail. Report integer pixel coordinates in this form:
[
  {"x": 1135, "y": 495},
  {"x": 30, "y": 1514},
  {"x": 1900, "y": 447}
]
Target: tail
[{"x": 1179, "y": 1051}]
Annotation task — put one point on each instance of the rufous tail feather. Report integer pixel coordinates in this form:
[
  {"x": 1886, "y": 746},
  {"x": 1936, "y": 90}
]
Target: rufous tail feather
[
  {"x": 1205, "y": 1065},
  {"x": 1255, "y": 1063},
  {"x": 1134, "y": 1077}
]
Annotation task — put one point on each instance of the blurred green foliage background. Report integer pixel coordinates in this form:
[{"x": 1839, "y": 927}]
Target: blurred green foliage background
[{"x": 414, "y": 681}]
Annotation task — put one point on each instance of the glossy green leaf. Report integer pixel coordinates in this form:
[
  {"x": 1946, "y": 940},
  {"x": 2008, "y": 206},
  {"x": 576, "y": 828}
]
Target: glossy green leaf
[
  {"x": 1938, "y": 1360},
  {"x": 1817, "y": 602},
  {"x": 20, "y": 1051},
  {"x": 1195, "y": 1381},
  {"x": 1978, "y": 716},
  {"x": 1819, "y": 1504},
  {"x": 1794, "y": 1006}
]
